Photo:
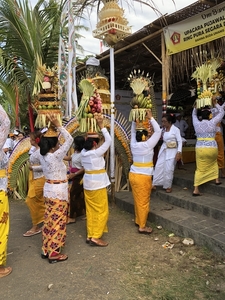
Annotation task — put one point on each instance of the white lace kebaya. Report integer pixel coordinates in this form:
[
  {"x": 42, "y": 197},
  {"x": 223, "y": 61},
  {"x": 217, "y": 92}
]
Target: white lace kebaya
[
  {"x": 36, "y": 164},
  {"x": 55, "y": 169},
  {"x": 4, "y": 130}
]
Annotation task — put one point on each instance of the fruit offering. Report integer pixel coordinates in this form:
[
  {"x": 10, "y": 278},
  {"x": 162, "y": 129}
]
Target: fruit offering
[
  {"x": 141, "y": 101},
  {"x": 46, "y": 101},
  {"x": 90, "y": 106}
]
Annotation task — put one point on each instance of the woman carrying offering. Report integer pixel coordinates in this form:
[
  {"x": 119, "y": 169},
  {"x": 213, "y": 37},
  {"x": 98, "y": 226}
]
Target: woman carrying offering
[
  {"x": 169, "y": 153},
  {"x": 140, "y": 176},
  {"x": 206, "y": 147},
  {"x": 95, "y": 181},
  {"x": 55, "y": 190},
  {"x": 35, "y": 198},
  {"x": 4, "y": 204}
]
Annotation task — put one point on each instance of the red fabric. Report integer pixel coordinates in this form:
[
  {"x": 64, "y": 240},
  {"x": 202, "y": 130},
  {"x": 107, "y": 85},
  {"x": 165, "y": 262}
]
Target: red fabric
[{"x": 31, "y": 115}]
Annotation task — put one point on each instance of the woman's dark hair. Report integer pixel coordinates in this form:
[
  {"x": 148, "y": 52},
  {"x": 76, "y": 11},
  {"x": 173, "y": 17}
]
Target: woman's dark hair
[
  {"x": 79, "y": 142},
  {"x": 140, "y": 133},
  {"x": 36, "y": 134},
  {"x": 47, "y": 143},
  {"x": 171, "y": 118},
  {"x": 89, "y": 143},
  {"x": 205, "y": 113}
]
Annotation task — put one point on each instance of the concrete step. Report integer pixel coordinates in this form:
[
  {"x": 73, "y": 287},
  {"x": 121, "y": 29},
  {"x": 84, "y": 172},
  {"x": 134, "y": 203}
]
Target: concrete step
[
  {"x": 185, "y": 178},
  {"x": 200, "y": 218},
  {"x": 204, "y": 230},
  {"x": 208, "y": 205}
]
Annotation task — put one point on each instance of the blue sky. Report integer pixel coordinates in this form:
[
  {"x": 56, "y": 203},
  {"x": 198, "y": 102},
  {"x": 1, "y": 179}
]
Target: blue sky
[{"x": 138, "y": 16}]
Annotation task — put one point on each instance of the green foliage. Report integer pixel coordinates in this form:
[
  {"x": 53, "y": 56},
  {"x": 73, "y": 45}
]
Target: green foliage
[{"x": 29, "y": 38}]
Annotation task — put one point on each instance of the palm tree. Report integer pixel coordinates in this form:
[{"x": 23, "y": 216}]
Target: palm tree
[{"x": 29, "y": 39}]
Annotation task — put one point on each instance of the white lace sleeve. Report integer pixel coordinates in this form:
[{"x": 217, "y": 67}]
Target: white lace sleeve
[
  {"x": 4, "y": 130},
  {"x": 61, "y": 152}
]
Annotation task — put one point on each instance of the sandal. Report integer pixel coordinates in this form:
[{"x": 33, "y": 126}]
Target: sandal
[
  {"x": 43, "y": 256},
  {"x": 58, "y": 258},
  {"x": 168, "y": 190},
  {"x": 99, "y": 243},
  {"x": 5, "y": 271},
  {"x": 147, "y": 230},
  {"x": 31, "y": 232},
  {"x": 88, "y": 240}
]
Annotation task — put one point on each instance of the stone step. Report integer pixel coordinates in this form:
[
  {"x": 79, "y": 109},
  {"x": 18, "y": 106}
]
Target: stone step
[
  {"x": 185, "y": 178},
  {"x": 208, "y": 205},
  {"x": 204, "y": 230},
  {"x": 200, "y": 218}
]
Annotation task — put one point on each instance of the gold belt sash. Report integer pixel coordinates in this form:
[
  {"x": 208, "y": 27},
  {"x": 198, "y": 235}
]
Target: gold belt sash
[
  {"x": 205, "y": 139},
  {"x": 143, "y": 165},
  {"x": 56, "y": 181},
  {"x": 95, "y": 171},
  {"x": 2, "y": 173}
]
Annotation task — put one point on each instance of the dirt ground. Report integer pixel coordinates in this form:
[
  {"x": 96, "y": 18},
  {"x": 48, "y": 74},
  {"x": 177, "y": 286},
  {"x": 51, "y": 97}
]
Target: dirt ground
[{"x": 132, "y": 267}]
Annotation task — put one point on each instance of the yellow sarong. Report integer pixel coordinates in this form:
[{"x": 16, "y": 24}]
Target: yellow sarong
[
  {"x": 206, "y": 165},
  {"x": 141, "y": 189},
  {"x": 4, "y": 226},
  {"x": 220, "y": 145},
  {"x": 35, "y": 199},
  {"x": 97, "y": 212}
]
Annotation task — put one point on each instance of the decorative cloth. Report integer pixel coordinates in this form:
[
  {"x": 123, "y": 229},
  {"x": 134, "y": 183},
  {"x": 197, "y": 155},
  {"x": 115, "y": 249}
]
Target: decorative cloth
[{"x": 54, "y": 228}]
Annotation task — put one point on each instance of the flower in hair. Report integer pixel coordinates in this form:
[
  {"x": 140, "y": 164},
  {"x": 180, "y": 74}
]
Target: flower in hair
[{"x": 37, "y": 140}]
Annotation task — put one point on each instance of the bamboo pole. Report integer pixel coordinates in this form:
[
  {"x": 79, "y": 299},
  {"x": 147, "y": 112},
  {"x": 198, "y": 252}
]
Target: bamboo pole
[
  {"x": 164, "y": 85},
  {"x": 112, "y": 148}
]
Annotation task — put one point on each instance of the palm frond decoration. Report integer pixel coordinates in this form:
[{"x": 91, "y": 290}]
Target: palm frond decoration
[{"x": 18, "y": 169}]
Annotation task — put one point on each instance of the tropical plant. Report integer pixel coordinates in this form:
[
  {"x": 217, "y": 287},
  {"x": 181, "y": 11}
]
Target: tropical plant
[{"x": 29, "y": 39}]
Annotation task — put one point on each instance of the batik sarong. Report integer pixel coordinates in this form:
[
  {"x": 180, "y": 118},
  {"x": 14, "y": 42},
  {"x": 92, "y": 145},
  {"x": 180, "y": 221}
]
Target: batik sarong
[{"x": 54, "y": 228}]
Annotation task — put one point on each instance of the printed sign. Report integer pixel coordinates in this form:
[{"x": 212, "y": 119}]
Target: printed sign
[{"x": 200, "y": 29}]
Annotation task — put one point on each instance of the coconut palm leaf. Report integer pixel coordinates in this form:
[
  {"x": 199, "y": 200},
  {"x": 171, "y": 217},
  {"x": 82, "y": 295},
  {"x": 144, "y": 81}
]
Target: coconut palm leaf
[{"x": 29, "y": 38}]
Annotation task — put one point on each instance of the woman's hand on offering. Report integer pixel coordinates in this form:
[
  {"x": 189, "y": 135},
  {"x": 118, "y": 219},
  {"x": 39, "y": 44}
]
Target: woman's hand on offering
[
  {"x": 149, "y": 114},
  {"x": 99, "y": 120},
  {"x": 53, "y": 119}
]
